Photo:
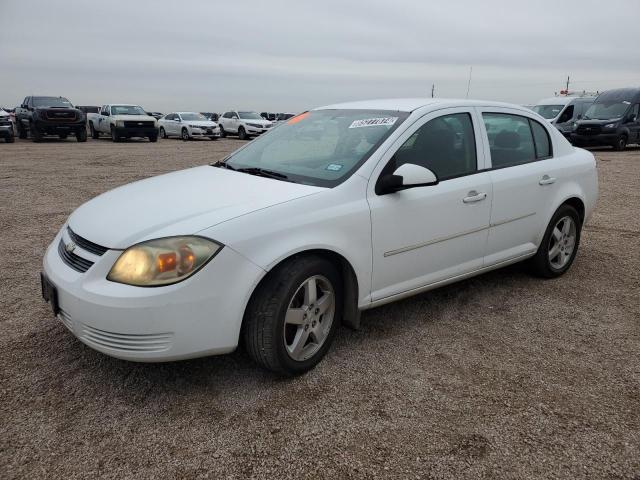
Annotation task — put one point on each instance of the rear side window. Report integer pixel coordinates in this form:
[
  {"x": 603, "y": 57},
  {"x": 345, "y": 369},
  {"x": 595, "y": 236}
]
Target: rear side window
[
  {"x": 445, "y": 145},
  {"x": 514, "y": 140}
]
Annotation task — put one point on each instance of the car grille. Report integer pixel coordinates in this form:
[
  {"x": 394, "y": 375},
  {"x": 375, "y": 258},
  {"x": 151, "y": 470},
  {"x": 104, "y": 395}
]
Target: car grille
[
  {"x": 589, "y": 130},
  {"x": 124, "y": 342},
  {"x": 138, "y": 124},
  {"x": 85, "y": 244},
  {"x": 61, "y": 115},
  {"x": 76, "y": 262}
]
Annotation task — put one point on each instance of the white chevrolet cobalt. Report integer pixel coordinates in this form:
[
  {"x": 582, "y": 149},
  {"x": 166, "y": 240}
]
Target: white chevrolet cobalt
[{"x": 338, "y": 210}]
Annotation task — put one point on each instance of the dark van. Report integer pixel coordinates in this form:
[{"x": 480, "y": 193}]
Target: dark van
[{"x": 613, "y": 119}]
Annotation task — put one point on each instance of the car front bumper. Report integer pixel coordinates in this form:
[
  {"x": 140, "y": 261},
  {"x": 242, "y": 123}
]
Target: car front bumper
[
  {"x": 6, "y": 131},
  {"x": 257, "y": 131},
  {"x": 199, "y": 132},
  {"x": 594, "y": 140},
  {"x": 129, "y": 132},
  {"x": 197, "y": 317}
]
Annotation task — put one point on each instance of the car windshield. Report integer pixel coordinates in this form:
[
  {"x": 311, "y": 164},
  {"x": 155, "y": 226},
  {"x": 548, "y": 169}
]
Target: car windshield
[
  {"x": 250, "y": 116},
  {"x": 192, "y": 116},
  {"x": 127, "y": 110},
  {"x": 321, "y": 147},
  {"x": 548, "y": 111},
  {"x": 51, "y": 102},
  {"x": 606, "y": 110}
]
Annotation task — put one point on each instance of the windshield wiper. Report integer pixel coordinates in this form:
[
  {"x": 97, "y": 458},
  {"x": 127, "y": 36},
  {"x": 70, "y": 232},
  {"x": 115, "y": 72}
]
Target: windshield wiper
[
  {"x": 262, "y": 172},
  {"x": 222, "y": 164}
]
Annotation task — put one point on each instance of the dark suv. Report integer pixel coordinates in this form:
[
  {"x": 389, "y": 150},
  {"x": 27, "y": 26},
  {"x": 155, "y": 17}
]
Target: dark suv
[
  {"x": 42, "y": 116},
  {"x": 613, "y": 119}
]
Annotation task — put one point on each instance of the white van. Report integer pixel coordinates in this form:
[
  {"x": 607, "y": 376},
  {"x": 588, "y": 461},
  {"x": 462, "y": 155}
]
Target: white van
[{"x": 563, "y": 111}]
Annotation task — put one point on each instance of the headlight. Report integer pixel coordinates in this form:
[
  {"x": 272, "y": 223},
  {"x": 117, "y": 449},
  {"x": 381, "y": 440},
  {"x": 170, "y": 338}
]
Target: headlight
[
  {"x": 196, "y": 126},
  {"x": 163, "y": 261},
  {"x": 119, "y": 123},
  {"x": 611, "y": 125}
]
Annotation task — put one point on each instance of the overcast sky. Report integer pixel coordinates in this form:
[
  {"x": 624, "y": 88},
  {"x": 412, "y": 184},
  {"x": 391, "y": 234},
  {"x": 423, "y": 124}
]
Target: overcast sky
[{"x": 293, "y": 55}]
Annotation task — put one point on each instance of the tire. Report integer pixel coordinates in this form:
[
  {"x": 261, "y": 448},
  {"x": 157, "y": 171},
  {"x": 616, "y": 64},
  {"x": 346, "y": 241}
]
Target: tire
[
  {"x": 545, "y": 263},
  {"x": 63, "y": 136},
  {"x": 184, "y": 134},
  {"x": 242, "y": 134},
  {"x": 36, "y": 135},
  {"x": 94, "y": 133},
  {"x": 10, "y": 139},
  {"x": 81, "y": 135},
  {"x": 223, "y": 134},
  {"x": 163, "y": 134},
  {"x": 621, "y": 143},
  {"x": 270, "y": 340},
  {"x": 22, "y": 133},
  {"x": 153, "y": 138},
  {"x": 114, "y": 137}
]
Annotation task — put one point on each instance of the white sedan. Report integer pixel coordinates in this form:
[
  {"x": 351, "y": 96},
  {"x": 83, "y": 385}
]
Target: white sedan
[
  {"x": 338, "y": 210},
  {"x": 187, "y": 125}
]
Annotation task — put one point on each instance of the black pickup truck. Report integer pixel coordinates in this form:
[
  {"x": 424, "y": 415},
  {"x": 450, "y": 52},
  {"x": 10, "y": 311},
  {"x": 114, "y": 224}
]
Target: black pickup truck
[{"x": 42, "y": 116}]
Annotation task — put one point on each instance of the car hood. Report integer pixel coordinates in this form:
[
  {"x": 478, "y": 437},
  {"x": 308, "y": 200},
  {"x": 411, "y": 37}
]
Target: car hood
[
  {"x": 178, "y": 203},
  {"x": 258, "y": 122},
  {"x": 202, "y": 123},
  {"x": 593, "y": 121},
  {"x": 134, "y": 118}
]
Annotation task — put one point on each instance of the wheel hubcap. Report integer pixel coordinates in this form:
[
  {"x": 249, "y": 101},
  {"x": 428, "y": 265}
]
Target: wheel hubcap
[
  {"x": 562, "y": 242},
  {"x": 309, "y": 317}
]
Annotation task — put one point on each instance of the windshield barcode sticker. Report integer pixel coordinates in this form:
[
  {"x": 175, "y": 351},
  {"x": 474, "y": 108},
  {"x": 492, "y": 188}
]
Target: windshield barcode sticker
[{"x": 373, "y": 122}]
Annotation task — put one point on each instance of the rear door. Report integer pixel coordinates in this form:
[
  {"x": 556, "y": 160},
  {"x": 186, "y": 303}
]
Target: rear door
[{"x": 525, "y": 176}]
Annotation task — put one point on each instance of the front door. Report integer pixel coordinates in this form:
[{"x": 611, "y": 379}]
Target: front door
[{"x": 425, "y": 235}]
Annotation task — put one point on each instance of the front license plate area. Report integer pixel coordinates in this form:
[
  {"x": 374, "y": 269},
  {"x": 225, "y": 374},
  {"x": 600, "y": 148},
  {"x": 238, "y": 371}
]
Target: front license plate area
[{"x": 50, "y": 294}]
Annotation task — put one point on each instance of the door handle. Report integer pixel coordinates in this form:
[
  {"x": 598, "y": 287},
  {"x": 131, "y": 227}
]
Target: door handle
[
  {"x": 547, "y": 180},
  {"x": 474, "y": 196}
]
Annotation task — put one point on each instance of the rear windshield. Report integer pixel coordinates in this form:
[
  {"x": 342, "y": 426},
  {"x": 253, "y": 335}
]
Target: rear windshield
[{"x": 51, "y": 102}]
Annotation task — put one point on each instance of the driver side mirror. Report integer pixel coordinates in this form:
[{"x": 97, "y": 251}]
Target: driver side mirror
[
  {"x": 631, "y": 118},
  {"x": 105, "y": 114},
  {"x": 404, "y": 177}
]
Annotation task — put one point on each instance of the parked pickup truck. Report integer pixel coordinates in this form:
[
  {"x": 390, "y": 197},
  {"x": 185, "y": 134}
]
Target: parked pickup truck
[
  {"x": 123, "y": 121},
  {"x": 40, "y": 116}
]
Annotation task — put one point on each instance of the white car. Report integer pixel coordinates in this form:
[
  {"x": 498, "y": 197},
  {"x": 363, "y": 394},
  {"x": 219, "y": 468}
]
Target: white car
[
  {"x": 122, "y": 121},
  {"x": 338, "y": 210},
  {"x": 243, "y": 124},
  {"x": 187, "y": 125}
]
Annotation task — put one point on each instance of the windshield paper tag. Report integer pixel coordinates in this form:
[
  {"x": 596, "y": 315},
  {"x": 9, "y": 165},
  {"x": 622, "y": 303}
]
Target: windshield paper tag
[
  {"x": 334, "y": 167},
  {"x": 373, "y": 122}
]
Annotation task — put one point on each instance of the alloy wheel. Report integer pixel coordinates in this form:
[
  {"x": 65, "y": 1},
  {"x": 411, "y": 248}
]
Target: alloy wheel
[
  {"x": 562, "y": 242},
  {"x": 309, "y": 317}
]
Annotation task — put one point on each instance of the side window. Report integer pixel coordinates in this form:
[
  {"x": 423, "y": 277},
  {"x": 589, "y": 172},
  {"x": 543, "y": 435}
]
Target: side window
[
  {"x": 541, "y": 139},
  {"x": 445, "y": 145},
  {"x": 567, "y": 114},
  {"x": 30, "y": 101},
  {"x": 635, "y": 111},
  {"x": 510, "y": 139},
  {"x": 226, "y": 115},
  {"x": 25, "y": 101}
]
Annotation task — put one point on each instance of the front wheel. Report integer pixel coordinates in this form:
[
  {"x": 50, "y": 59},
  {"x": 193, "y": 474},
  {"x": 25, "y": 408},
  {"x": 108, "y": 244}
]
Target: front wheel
[
  {"x": 621, "y": 143},
  {"x": 559, "y": 245},
  {"x": 223, "y": 134},
  {"x": 242, "y": 134},
  {"x": 153, "y": 138},
  {"x": 292, "y": 318},
  {"x": 22, "y": 132},
  {"x": 185, "y": 134},
  {"x": 114, "y": 136},
  {"x": 36, "y": 134},
  {"x": 81, "y": 135},
  {"x": 163, "y": 134},
  {"x": 94, "y": 133},
  {"x": 10, "y": 138}
]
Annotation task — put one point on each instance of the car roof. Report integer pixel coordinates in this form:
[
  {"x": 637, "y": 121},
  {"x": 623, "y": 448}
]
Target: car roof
[
  {"x": 411, "y": 104},
  {"x": 565, "y": 100}
]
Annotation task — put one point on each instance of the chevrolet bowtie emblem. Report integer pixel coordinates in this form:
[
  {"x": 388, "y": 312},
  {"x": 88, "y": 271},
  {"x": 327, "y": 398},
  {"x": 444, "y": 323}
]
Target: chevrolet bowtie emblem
[{"x": 70, "y": 247}]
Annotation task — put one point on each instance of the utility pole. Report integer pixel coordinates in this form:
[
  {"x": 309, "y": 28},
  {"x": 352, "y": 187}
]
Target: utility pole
[
  {"x": 567, "y": 84},
  {"x": 433, "y": 87},
  {"x": 469, "y": 84}
]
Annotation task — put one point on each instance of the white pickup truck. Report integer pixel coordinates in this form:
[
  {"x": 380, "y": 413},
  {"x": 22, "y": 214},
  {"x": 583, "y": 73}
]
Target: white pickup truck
[{"x": 123, "y": 121}]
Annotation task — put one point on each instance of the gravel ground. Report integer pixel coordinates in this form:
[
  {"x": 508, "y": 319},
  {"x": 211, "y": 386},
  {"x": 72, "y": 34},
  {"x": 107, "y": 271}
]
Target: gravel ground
[{"x": 500, "y": 376}]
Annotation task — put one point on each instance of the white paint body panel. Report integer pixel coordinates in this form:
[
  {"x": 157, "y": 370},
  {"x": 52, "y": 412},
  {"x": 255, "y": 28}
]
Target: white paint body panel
[{"x": 397, "y": 244}]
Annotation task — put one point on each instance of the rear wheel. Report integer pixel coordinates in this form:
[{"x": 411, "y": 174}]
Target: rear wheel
[
  {"x": 185, "y": 134},
  {"x": 292, "y": 318},
  {"x": 242, "y": 133},
  {"x": 559, "y": 245},
  {"x": 621, "y": 143},
  {"x": 94, "y": 133}
]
